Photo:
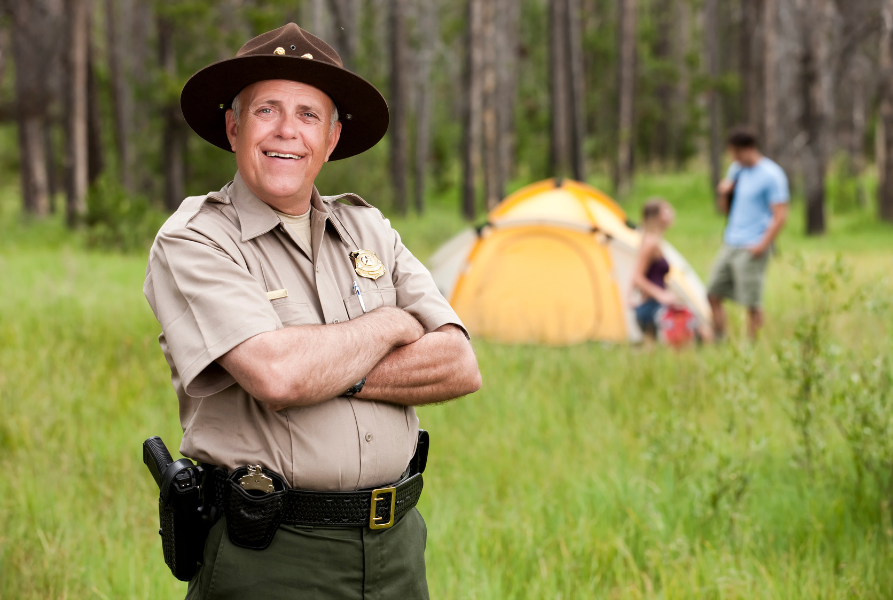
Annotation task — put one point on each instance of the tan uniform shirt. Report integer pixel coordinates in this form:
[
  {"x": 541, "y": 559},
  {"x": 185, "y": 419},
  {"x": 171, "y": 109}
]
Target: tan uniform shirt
[
  {"x": 299, "y": 225},
  {"x": 212, "y": 269}
]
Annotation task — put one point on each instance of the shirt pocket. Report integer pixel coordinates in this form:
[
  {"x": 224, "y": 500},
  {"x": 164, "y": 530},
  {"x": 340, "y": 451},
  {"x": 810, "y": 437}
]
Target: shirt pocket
[
  {"x": 373, "y": 299},
  {"x": 293, "y": 313}
]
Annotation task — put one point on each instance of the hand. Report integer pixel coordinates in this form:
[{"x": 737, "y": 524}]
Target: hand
[
  {"x": 725, "y": 187},
  {"x": 758, "y": 250},
  {"x": 668, "y": 298},
  {"x": 405, "y": 327}
]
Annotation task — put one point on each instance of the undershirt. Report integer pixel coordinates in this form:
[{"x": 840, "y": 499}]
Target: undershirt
[{"x": 299, "y": 225}]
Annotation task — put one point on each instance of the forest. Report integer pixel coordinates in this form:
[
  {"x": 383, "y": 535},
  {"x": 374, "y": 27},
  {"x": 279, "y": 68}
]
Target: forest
[
  {"x": 597, "y": 470},
  {"x": 485, "y": 95}
]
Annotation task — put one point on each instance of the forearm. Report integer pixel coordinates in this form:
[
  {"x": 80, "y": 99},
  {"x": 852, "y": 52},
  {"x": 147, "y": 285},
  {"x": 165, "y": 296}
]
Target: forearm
[
  {"x": 772, "y": 232},
  {"x": 647, "y": 287},
  {"x": 779, "y": 217},
  {"x": 438, "y": 367},
  {"x": 304, "y": 365}
]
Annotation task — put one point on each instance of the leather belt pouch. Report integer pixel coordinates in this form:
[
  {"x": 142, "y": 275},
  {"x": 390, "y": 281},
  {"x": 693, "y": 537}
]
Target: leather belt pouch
[{"x": 252, "y": 519}]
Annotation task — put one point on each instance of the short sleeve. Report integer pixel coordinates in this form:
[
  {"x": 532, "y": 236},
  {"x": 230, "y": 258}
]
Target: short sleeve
[
  {"x": 416, "y": 291},
  {"x": 206, "y": 303},
  {"x": 733, "y": 171},
  {"x": 778, "y": 187}
]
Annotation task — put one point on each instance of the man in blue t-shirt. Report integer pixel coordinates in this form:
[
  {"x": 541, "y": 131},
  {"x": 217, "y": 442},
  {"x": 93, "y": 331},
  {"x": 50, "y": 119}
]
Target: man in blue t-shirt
[{"x": 755, "y": 197}]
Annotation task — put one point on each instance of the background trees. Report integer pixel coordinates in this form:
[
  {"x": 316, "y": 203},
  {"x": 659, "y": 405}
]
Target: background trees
[{"x": 485, "y": 94}]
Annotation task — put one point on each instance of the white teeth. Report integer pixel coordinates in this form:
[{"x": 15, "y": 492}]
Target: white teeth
[{"x": 277, "y": 154}]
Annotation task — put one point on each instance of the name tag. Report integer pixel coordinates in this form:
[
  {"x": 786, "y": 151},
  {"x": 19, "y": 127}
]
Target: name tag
[{"x": 276, "y": 294}]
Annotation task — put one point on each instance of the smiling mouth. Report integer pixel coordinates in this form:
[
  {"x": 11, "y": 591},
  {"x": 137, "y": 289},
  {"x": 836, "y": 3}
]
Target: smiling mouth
[{"x": 282, "y": 155}]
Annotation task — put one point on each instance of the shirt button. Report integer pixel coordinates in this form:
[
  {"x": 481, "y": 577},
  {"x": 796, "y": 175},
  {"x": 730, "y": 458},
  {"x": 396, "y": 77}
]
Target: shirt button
[
  {"x": 335, "y": 322},
  {"x": 317, "y": 268},
  {"x": 368, "y": 437}
]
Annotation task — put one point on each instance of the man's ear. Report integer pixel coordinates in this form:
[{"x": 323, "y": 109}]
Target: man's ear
[
  {"x": 334, "y": 136},
  {"x": 231, "y": 128}
]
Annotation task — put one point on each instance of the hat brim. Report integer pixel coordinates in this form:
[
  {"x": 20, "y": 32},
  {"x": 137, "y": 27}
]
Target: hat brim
[{"x": 363, "y": 110}]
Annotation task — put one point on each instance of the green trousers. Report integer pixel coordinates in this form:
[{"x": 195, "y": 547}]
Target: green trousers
[{"x": 321, "y": 563}]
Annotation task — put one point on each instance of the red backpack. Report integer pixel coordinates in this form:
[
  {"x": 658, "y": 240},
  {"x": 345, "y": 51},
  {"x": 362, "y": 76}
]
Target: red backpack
[{"x": 677, "y": 325}]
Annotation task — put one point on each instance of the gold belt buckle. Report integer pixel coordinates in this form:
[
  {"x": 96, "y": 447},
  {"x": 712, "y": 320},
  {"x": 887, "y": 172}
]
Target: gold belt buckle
[{"x": 376, "y": 496}]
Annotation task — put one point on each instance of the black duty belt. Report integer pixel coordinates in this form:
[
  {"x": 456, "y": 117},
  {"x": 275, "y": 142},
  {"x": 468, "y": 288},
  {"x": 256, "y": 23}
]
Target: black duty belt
[{"x": 252, "y": 517}]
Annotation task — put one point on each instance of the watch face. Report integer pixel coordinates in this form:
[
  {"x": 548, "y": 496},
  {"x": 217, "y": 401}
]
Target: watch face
[{"x": 355, "y": 388}]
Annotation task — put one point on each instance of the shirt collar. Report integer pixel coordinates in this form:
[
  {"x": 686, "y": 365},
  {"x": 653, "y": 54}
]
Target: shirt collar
[{"x": 256, "y": 217}]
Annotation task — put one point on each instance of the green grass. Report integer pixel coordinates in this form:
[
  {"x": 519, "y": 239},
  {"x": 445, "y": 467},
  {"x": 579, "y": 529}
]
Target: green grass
[{"x": 590, "y": 471}]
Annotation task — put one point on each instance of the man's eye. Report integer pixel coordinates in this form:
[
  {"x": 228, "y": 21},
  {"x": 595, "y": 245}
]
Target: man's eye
[
  {"x": 310, "y": 115},
  {"x": 266, "y": 111}
]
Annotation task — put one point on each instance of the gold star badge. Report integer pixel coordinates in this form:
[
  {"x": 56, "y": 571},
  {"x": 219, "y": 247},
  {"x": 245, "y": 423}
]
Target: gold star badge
[{"x": 367, "y": 264}]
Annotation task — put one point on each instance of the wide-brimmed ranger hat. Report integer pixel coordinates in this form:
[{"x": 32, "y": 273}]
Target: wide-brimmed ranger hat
[{"x": 296, "y": 55}]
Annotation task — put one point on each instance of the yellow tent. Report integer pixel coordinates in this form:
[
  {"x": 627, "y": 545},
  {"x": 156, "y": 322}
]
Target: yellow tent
[{"x": 553, "y": 265}]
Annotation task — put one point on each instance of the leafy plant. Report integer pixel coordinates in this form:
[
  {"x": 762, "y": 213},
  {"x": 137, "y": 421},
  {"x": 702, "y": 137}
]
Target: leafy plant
[
  {"x": 806, "y": 358},
  {"x": 118, "y": 220}
]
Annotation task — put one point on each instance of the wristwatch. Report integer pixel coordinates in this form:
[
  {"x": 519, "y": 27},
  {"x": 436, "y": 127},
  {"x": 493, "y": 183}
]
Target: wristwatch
[{"x": 355, "y": 388}]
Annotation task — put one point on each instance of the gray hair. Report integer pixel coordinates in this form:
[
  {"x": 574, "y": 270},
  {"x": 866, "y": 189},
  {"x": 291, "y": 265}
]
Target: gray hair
[{"x": 237, "y": 108}]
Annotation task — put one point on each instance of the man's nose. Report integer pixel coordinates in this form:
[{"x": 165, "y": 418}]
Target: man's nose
[{"x": 287, "y": 126}]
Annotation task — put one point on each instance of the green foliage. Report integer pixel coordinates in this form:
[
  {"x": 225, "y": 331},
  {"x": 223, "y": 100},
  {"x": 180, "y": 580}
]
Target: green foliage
[
  {"x": 117, "y": 220},
  {"x": 863, "y": 410},
  {"x": 807, "y": 357}
]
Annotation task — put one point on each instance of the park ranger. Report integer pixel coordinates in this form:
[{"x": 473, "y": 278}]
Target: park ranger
[{"x": 300, "y": 333}]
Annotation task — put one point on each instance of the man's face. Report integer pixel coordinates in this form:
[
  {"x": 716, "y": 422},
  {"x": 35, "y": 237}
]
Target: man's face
[
  {"x": 288, "y": 119},
  {"x": 747, "y": 157}
]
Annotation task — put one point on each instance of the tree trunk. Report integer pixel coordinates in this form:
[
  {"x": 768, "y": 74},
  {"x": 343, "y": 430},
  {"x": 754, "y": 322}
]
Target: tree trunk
[
  {"x": 78, "y": 109},
  {"x": 577, "y": 112},
  {"x": 885, "y": 129},
  {"x": 626, "y": 89},
  {"x": 679, "y": 118},
  {"x": 816, "y": 71},
  {"x": 507, "y": 19},
  {"x": 4, "y": 51},
  {"x": 560, "y": 148},
  {"x": 493, "y": 183},
  {"x": 346, "y": 33},
  {"x": 748, "y": 68},
  {"x": 711, "y": 36},
  {"x": 770, "y": 102},
  {"x": 30, "y": 25},
  {"x": 138, "y": 18},
  {"x": 472, "y": 117},
  {"x": 95, "y": 152},
  {"x": 52, "y": 171},
  {"x": 399, "y": 103},
  {"x": 857, "y": 135},
  {"x": 318, "y": 18},
  {"x": 35, "y": 185},
  {"x": 174, "y": 136},
  {"x": 428, "y": 36},
  {"x": 663, "y": 20},
  {"x": 120, "y": 92}
]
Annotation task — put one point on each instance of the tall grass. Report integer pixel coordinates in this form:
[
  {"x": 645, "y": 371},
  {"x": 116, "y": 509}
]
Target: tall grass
[{"x": 590, "y": 471}]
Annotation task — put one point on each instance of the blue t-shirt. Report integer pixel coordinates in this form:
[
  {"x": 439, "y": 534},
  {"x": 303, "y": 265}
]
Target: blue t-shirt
[{"x": 758, "y": 188}]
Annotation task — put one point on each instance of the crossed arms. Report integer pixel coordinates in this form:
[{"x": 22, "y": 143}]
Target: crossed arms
[{"x": 304, "y": 365}]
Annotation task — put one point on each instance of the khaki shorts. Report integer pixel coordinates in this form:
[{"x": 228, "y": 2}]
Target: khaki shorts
[{"x": 737, "y": 275}]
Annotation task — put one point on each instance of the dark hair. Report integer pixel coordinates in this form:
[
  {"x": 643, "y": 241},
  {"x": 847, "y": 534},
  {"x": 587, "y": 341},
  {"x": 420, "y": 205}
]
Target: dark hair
[
  {"x": 742, "y": 137},
  {"x": 651, "y": 209}
]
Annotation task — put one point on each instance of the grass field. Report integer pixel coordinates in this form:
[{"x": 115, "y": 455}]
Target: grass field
[{"x": 586, "y": 472}]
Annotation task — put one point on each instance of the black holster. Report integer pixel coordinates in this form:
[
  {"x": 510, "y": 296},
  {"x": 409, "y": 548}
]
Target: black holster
[{"x": 185, "y": 518}]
